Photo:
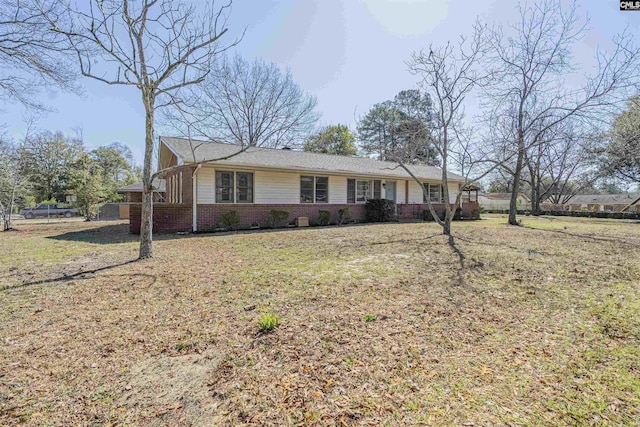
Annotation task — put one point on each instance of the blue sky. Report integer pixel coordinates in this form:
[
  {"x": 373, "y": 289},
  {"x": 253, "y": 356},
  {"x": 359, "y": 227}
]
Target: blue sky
[{"x": 350, "y": 54}]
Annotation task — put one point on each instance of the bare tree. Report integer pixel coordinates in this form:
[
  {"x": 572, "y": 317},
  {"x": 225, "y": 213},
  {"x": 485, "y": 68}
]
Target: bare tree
[
  {"x": 449, "y": 74},
  {"x": 560, "y": 165},
  {"x": 31, "y": 56},
  {"x": 155, "y": 46},
  {"x": 251, "y": 104},
  {"x": 534, "y": 85}
]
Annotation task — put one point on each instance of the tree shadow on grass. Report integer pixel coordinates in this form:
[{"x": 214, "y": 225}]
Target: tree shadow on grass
[
  {"x": 80, "y": 275},
  {"x": 459, "y": 278},
  {"x": 113, "y": 234}
]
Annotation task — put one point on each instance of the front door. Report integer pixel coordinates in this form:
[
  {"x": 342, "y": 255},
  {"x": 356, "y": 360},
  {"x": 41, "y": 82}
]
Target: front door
[{"x": 390, "y": 190}]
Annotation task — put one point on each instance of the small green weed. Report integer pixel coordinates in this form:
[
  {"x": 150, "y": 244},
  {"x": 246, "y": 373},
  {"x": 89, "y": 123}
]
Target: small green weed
[
  {"x": 369, "y": 318},
  {"x": 268, "y": 322}
]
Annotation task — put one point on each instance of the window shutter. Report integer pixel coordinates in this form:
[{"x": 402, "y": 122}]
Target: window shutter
[{"x": 351, "y": 190}]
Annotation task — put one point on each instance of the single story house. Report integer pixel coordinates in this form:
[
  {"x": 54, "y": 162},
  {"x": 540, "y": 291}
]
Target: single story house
[
  {"x": 133, "y": 192},
  {"x": 500, "y": 201},
  {"x": 208, "y": 179},
  {"x": 599, "y": 203}
]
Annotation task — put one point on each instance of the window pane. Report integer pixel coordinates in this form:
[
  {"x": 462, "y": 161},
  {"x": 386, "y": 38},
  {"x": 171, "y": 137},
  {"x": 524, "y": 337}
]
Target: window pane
[
  {"x": 322, "y": 189},
  {"x": 224, "y": 187},
  {"x": 306, "y": 189},
  {"x": 362, "y": 191},
  {"x": 351, "y": 190},
  {"x": 245, "y": 187},
  {"x": 434, "y": 193},
  {"x": 377, "y": 189}
]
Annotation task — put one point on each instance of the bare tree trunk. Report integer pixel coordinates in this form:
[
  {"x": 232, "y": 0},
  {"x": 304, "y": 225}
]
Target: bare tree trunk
[
  {"x": 513, "y": 203},
  {"x": 146, "y": 217}
]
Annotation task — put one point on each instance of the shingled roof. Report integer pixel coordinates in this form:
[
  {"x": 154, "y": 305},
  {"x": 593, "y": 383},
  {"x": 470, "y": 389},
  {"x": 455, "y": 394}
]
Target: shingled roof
[
  {"x": 159, "y": 186},
  {"x": 604, "y": 199},
  {"x": 297, "y": 160}
]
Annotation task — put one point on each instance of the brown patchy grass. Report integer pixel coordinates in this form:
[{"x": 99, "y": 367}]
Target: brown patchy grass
[{"x": 378, "y": 325}]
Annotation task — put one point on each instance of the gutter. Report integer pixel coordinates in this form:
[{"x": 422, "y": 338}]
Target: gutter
[{"x": 194, "y": 199}]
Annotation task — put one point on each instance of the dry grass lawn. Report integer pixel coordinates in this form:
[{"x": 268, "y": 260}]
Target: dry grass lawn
[{"x": 378, "y": 325}]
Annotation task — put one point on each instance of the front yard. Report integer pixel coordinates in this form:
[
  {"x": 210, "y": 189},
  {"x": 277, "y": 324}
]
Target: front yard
[{"x": 382, "y": 324}]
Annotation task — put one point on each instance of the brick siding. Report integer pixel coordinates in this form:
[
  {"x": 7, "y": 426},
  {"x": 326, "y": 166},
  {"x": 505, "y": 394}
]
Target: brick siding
[{"x": 177, "y": 217}]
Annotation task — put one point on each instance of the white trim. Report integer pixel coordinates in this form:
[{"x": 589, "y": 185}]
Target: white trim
[{"x": 179, "y": 158}]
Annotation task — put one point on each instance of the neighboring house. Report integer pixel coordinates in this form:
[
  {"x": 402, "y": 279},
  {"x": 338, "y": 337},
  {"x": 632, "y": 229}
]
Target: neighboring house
[
  {"x": 133, "y": 194},
  {"x": 500, "y": 201},
  {"x": 599, "y": 203},
  {"x": 258, "y": 180}
]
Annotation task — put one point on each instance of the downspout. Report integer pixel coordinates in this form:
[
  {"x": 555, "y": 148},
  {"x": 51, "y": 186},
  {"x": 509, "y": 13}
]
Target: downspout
[{"x": 194, "y": 198}]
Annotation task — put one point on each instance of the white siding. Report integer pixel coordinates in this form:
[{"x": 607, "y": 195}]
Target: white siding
[
  {"x": 337, "y": 189},
  {"x": 453, "y": 192},
  {"x": 415, "y": 193},
  {"x": 205, "y": 186},
  {"x": 400, "y": 191},
  {"x": 276, "y": 187}
]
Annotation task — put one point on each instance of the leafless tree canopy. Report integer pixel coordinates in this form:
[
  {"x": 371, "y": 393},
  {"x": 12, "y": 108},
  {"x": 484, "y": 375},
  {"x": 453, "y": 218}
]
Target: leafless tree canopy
[
  {"x": 32, "y": 56},
  {"x": 536, "y": 85},
  {"x": 449, "y": 74},
  {"x": 156, "y": 46},
  {"x": 248, "y": 104}
]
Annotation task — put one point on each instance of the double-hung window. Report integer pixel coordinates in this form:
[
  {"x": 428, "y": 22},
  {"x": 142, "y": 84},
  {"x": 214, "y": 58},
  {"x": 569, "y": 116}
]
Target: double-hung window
[
  {"x": 244, "y": 193},
  {"x": 314, "y": 189},
  {"x": 435, "y": 193},
  {"x": 234, "y": 187}
]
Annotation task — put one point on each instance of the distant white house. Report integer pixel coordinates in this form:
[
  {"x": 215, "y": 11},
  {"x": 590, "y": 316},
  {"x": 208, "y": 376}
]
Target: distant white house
[
  {"x": 500, "y": 201},
  {"x": 600, "y": 203}
]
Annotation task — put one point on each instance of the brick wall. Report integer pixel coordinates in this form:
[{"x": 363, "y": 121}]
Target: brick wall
[
  {"x": 166, "y": 217},
  {"x": 250, "y": 214},
  {"x": 177, "y": 217},
  {"x": 411, "y": 211}
]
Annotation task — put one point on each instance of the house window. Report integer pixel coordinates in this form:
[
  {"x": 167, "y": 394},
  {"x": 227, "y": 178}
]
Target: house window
[
  {"x": 608, "y": 208},
  {"x": 245, "y": 187},
  {"x": 435, "y": 193},
  {"x": 351, "y": 190},
  {"x": 314, "y": 189},
  {"x": 377, "y": 189},
  {"x": 306, "y": 189},
  {"x": 322, "y": 189},
  {"x": 224, "y": 187},
  {"x": 363, "y": 192}
]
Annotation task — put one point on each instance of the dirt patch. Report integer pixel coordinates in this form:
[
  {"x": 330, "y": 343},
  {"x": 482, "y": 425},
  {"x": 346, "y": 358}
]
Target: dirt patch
[{"x": 174, "y": 387}]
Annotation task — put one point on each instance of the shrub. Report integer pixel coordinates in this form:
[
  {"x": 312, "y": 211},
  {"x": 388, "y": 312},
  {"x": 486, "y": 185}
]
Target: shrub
[
  {"x": 324, "y": 217},
  {"x": 475, "y": 214},
  {"x": 268, "y": 322},
  {"x": 277, "y": 219},
  {"x": 230, "y": 220},
  {"x": 458, "y": 214},
  {"x": 380, "y": 210},
  {"x": 426, "y": 215},
  {"x": 344, "y": 216}
]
